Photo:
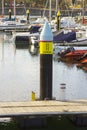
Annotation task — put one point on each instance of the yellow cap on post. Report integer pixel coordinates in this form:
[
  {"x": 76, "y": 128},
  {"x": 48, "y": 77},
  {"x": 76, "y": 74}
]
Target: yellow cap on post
[
  {"x": 58, "y": 13},
  {"x": 27, "y": 12},
  {"x": 9, "y": 10}
]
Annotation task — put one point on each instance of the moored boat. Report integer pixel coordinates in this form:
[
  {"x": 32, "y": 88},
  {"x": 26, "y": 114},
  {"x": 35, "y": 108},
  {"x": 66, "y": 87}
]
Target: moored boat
[
  {"x": 72, "y": 37},
  {"x": 83, "y": 63},
  {"x": 71, "y": 55}
]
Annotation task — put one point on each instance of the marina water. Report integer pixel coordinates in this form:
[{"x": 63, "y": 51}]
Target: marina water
[{"x": 20, "y": 75}]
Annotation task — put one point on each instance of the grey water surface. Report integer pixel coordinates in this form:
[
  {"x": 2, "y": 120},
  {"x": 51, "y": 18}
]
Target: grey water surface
[{"x": 20, "y": 75}]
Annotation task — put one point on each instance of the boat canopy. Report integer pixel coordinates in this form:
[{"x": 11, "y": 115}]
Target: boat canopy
[
  {"x": 34, "y": 29},
  {"x": 64, "y": 37}
]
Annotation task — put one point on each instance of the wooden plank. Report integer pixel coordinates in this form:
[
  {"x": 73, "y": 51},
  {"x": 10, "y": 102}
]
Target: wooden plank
[
  {"x": 42, "y": 108},
  {"x": 41, "y": 103}
]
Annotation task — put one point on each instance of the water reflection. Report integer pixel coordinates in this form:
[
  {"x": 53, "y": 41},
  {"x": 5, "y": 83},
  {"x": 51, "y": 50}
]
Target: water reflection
[
  {"x": 20, "y": 75},
  {"x": 75, "y": 81},
  {"x": 34, "y": 50}
]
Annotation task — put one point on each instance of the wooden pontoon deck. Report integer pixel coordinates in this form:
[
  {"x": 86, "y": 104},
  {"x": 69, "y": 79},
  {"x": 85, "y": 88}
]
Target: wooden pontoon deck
[{"x": 42, "y": 108}]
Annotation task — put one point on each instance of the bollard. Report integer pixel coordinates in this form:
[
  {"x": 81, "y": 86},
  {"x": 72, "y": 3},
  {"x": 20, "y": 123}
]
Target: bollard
[
  {"x": 62, "y": 92},
  {"x": 10, "y": 13},
  {"x": 33, "y": 96},
  {"x": 28, "y": 13},
  {"x": 58, "y": 20},
  {"x": 46, "y": 62}
]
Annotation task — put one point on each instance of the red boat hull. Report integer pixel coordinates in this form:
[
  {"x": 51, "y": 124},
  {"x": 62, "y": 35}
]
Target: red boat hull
[
  {"x": 73, "y": 56},
  {"x": 83, "y": 63}
]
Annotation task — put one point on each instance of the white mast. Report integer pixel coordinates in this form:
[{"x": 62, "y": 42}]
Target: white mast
[
  {"x": 50, "y": 11},
  {"x": 56, "y": 6},
  {"x": 45, "y": 8},
  {"x": 2, "y": 7},
  {"x": 83, "y": 7},
  {"x": 14, "y": 8}
]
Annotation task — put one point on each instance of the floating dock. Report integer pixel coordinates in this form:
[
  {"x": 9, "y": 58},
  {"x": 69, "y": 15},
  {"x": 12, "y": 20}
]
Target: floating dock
[
  {"x": 43, "y": 108},
  {"x": 15, "y": 27}
]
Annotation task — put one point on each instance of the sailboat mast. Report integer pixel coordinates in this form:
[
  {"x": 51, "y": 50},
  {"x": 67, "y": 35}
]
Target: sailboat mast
[
  {"x": 2, "y": 7},
  {"x": 14, "y": 8},
  {"x": 50, "y": 11},
  {"x": 83, "y": 7},
  {"x": 56, "y": 6}
]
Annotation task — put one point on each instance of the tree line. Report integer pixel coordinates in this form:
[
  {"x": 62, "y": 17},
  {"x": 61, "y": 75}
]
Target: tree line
[{"x": 63, "y": 4}]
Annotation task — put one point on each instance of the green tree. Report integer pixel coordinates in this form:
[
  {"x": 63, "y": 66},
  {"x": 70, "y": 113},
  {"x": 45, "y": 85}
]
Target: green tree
[{"x": 73, "y": 2}]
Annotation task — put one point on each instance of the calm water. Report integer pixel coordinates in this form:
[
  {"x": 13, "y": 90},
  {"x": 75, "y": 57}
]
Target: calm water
[{"x": 19, "y": 75}]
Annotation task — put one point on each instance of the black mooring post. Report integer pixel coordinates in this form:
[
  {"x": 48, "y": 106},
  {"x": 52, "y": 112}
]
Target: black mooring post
[
  {"x": 28, "y": 13},
  {"x": 10, "y": 13},
  {"x": 46, "y": 62},
  {"x": 58, "y": 20},
  {"x": 45, "y": 76}
]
